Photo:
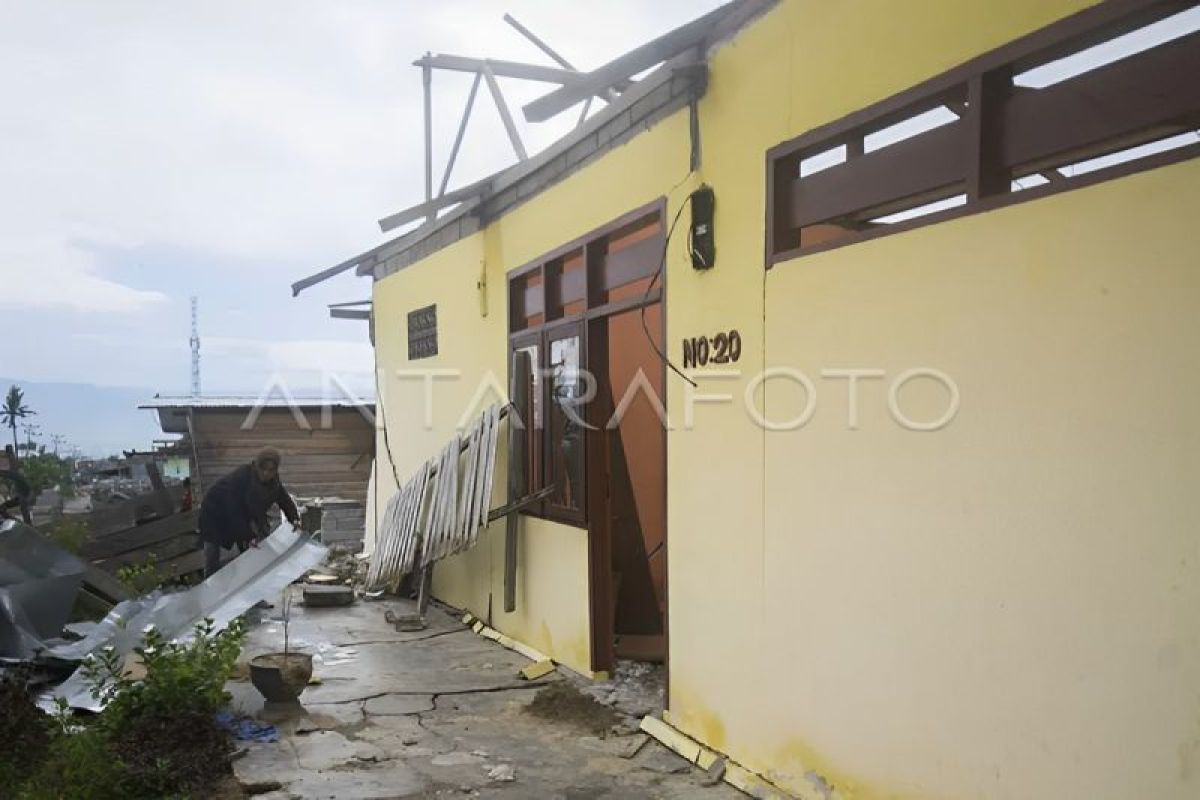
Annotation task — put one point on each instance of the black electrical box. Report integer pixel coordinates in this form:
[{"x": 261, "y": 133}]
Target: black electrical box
[{"x": 702, "y": 239}]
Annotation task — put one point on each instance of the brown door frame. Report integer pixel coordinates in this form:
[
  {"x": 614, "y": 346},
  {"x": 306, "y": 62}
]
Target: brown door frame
[
  {"x": 597, "y": 309},
  {"x": 600, "y": 598},
  {"x": 599, "y": 491}
]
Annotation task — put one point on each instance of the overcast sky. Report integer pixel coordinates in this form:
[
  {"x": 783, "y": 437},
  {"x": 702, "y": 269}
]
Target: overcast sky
[{"x": 153, "y": 150}]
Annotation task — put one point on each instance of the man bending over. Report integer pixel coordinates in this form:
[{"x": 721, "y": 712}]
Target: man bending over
[{"x": 234, "y": 509}]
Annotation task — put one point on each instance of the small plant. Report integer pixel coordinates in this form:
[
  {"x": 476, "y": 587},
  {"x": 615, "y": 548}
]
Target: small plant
[
  {"x": 69, "y": 534},
  {"x": 286, "y": 611},
  {"x": 141, "y": 577}
]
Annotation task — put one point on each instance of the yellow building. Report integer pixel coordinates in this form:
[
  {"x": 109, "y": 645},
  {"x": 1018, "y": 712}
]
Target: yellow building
[{"x": 925, "y": 526}]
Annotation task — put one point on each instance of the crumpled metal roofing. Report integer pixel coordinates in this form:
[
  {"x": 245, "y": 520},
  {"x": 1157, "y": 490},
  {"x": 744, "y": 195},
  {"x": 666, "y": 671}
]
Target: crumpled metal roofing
[
  {"x": 38, "y": 585},
  {"x": 258, "y": 574}
]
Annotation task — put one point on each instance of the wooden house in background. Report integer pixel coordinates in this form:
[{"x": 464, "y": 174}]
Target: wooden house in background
[{"x": 327, "y": 445}]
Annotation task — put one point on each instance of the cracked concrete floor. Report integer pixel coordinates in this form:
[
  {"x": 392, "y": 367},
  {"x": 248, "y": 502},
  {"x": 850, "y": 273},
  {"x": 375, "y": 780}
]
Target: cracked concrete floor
[{"x": 438, "y": 713}]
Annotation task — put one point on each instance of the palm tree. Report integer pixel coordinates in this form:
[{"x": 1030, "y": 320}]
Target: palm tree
[{"x": 14, "y": 409}]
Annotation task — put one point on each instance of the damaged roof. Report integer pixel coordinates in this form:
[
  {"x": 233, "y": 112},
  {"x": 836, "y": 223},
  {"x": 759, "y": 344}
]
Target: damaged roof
[{"x": 680, "y": 80}]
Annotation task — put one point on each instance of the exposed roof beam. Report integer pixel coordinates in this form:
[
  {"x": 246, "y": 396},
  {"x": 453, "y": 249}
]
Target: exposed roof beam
[
  {"x": 641, "y": 58},
  {"x": 505, "y": 69},
  {"x": 505, "y": 115},
  {"x": 462, "y": 129},
  {"x": 351, "y": 303},
  {"x": 607, "y": 94},
  {"x": 401, "y": 243},
  {"x": 324, "y": 275},
  {"x": 423, "y": 210}
]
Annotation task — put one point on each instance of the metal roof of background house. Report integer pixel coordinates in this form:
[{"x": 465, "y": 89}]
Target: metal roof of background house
[{"x": 248, "y": 401}]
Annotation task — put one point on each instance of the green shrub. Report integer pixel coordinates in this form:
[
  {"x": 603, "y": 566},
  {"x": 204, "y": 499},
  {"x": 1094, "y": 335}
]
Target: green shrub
[
  {"x": 179, "y": 677},
  {"x": 156, "y": 737},
  {"x": 24, "y": 730},
  {"x": 79, "y": 765}
]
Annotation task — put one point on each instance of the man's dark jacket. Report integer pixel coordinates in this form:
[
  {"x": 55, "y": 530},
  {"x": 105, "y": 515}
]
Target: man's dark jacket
[{"x": 236, "y": 506}]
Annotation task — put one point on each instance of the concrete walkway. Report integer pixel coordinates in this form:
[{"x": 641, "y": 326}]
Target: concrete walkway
[{"x": 437, "y": 714}]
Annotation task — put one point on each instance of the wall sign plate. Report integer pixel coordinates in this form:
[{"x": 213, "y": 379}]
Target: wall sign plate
[{"x": 422, "y": 333}]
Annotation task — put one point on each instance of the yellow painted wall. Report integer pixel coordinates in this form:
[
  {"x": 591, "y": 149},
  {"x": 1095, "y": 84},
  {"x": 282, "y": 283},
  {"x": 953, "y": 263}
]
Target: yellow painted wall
[
  {"x": 1005, "y": 608},
  {"x": 552, "y": 603},
  {"x": 1010, "y": 606},
  {"x": 552, "y": 600}
]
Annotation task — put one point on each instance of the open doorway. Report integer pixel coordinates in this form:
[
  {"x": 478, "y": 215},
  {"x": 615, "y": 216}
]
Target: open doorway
[
  {"x": 630, "y": 480},
  {"x": 587, "y": 318}
]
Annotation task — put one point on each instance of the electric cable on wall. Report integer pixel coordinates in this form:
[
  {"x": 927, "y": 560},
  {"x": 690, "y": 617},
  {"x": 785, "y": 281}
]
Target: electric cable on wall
[{"x": 650, "y": 287}]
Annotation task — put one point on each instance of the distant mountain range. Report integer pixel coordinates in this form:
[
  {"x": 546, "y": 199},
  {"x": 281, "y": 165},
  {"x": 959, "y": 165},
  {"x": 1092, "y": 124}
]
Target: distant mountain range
[{"x": 99, "y": 420}]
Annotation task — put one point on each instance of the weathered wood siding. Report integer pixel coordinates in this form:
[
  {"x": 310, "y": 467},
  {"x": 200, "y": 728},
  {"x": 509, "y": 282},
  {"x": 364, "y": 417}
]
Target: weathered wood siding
[{"x": 318, "y": 462}]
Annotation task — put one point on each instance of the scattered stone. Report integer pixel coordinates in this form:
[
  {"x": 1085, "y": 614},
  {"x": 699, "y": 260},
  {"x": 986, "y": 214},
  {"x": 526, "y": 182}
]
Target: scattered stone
[
  {"x": 537, "y": 670},
  {"x": 663, "y": 761},
  {"x": 626, "y": 727},
  {"x": 636, "y": 743},
  {"x": 714, "y": 774},
  {"x": 405, "y": 623},
  {"x": 502, "y": 772},
  {"x": 328, "y": 595}
]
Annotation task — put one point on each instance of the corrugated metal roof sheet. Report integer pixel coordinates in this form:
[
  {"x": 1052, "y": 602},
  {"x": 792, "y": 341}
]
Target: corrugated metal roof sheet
[{"x": 247, "y": 401}]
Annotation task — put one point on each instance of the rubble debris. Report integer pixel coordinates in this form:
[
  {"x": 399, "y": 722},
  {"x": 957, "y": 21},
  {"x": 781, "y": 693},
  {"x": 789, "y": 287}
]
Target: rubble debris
[
  {"x": 715, "y": 773},
  {"x": 562, "y": 702},
  {"x": 537, "y": 670},
  {"x": 635, "y": 745},
  {"x": 323, "y": 596},
  {"x": 38, "y": 585},
  {"x": 636, "y": 688},
  {"x": 342, "y": 521},
  {"x": 405, "y": 623},
  {"x": 502, "y": 772},
  {"x": 663, "y": 761}
]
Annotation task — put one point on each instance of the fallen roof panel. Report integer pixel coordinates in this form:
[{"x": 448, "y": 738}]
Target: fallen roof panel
[{"x": 258, "y": 574}]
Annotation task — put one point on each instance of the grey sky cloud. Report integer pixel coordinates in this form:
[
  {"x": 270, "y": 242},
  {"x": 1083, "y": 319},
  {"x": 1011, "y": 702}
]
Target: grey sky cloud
[{"x": 156, "y": 150}]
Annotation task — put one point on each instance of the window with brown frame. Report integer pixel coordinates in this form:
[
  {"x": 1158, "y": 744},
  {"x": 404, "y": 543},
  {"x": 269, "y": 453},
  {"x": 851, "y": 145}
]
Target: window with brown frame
[
  {"x": 1106, "y": 92},
  {"x": 550, "y": 301}
]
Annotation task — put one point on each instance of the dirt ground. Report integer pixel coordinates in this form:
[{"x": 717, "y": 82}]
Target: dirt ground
[{"x": 444, "y": 713}]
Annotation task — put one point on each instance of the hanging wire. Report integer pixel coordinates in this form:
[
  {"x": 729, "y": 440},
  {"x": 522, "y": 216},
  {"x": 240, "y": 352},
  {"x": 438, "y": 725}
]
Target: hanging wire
[{"x": 662, "y": 263}]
